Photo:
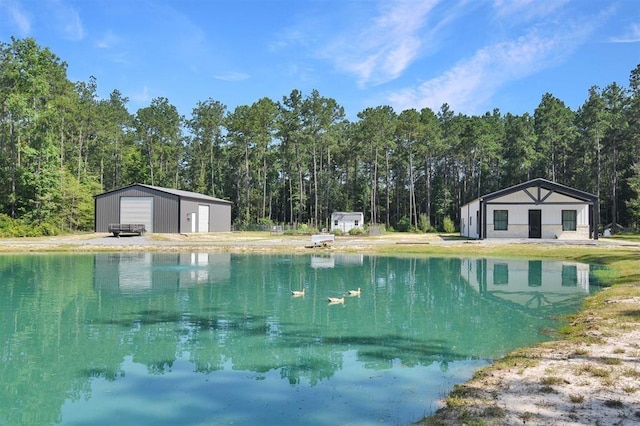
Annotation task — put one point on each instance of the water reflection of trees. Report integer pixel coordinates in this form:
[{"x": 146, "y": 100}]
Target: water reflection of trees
[
  {"x": 47, "y": 353},
  {"x": 67, "y": 323}
]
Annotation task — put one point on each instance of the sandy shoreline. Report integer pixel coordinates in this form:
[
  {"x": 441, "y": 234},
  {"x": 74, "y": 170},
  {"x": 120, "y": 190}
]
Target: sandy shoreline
[
  {"x": 558, "y": 383},
  {"x": 593, "y": 380}
]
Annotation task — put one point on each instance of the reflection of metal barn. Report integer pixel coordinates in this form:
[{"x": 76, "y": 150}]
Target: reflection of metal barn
[
  {"x": 162, "y": 210},
  {"x": 345, "y": 221},
  {"x": 534, "y": 209}
]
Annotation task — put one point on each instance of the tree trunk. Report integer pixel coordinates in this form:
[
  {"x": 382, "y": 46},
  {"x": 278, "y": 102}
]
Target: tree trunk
[
  {"x": 264, "y": 186},
  {"x": 315, "y": 187},
  {"x": 374, "y": 188},
  {"x": 388, "y": 189},
  {"x": 413, "y": 214},
  {"x": 614, "y": 187},
  {"x": 428, "y": 189},
  {"x": 300, "y": 185},
  {"x": 247, "y": 182}
]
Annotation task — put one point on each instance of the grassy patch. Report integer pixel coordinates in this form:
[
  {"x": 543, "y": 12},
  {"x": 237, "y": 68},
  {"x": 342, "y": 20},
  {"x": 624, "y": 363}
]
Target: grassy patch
[
  {"x": 611, "y": 361},
  {"x": 469, "y": 419},
  {"x": 494, "y": 411},
  {"x": 526, "y": 416},
  {"x": 464, "y": 391},
  {"x": 606, "y": 276},
  {"x": 454, "y": 401},
  {"x": 592, "y": 370},
  {"x": 549, "y": 381},
  {"x": 576, "y": 399},
  {"x": 521, "y": 358},
  {"x": 631, "y": 372},
  {"x": 580, "y": 352}
]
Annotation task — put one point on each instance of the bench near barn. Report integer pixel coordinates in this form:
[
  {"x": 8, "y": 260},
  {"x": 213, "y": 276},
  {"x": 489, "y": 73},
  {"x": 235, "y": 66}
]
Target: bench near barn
[{"x": 127, "y": 228}]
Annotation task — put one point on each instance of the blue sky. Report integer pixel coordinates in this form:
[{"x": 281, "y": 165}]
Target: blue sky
[{"x": 474, "y": 55}]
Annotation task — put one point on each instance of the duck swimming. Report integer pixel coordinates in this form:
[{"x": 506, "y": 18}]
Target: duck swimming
[{"x": 336, "y": 299}]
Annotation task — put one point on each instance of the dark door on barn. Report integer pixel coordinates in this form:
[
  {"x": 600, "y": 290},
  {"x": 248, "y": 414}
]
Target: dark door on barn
[{"x": 535, "y": 224}]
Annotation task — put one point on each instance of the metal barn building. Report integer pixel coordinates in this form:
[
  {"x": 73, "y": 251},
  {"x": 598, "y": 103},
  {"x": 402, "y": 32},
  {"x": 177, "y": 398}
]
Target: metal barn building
[{"x": 162, "y": 210}]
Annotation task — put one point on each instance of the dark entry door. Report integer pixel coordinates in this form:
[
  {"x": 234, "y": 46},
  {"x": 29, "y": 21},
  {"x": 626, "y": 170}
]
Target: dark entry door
[{"x": 535, "y": 224}]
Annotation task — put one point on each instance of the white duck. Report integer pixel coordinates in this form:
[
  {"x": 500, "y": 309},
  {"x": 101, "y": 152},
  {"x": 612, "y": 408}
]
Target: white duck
[
  {"x": 354, "y": 292},
  {"x": 298, "y": 293},
  {"x": 333, "y": 300}
]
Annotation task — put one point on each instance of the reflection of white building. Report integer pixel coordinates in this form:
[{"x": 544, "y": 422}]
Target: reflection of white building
[
  {"x": 318, "y": 262},
  {"x": 330, "y": 261},
  {"x": 349, "y": 258},
  {"x": 531, "y": 283},
  {"x": 131, "y": 276},
  {"x": 152, "y": 271}
]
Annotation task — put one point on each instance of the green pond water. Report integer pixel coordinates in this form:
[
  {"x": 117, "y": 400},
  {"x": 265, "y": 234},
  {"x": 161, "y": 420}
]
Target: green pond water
[{"x": 218, "y": 338}]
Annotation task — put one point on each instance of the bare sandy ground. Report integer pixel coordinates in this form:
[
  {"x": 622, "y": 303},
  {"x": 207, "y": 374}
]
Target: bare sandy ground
[
  {"x": 247, "y": 241},
  {"x": 231, "y": 241},
  {"x": 557, "y": 383}
]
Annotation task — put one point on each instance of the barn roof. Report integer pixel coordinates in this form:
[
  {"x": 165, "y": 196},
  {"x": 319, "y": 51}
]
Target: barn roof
[
  {"x": 177, "y": 192},
  {"x": 347, "y": 215},
  {"x": 544, "y": 184}
]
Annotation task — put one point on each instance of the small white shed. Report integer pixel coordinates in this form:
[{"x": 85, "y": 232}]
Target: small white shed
[
  {"x": 534, "y": 209},
  {"x": 346, "y": 221}
]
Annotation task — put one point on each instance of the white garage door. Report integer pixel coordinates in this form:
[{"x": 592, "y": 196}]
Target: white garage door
[
  {"x": 203, "y": 218},
  {"x": 137, "y": 210}
]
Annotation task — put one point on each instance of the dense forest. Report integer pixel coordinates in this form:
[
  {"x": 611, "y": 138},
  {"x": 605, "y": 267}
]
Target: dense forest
[{"x": 296, "y": 160}]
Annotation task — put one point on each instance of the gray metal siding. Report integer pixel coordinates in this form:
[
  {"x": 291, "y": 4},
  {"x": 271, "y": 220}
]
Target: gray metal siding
[
  {"x": 107, "y": 211},
  {"x": 220, "y": 220},
  {"x": 219, "y": 215},
  {"x": 170, "y": 211},
  {"x": 186, "y": 208},
  {"x": 165, "y": 208}
]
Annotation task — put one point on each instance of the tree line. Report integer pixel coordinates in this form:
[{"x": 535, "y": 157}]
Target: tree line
[{"x": 296, "y": 160}]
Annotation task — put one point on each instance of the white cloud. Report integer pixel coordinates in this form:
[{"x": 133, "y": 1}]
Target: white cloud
[
  {"x": 16, "y": 17},
  {"x": 66, "y": 20},
  {"x": 387, "y": 46},
  {"x": 631, "y": 35},
  {"x": 60, "y": 16},
  {"x": 526, "y": 9},
  {"x": 112, "y": 47},
  {"x": 142, "y": 97},
  {"x": 232, "y": 76},
  {"x": 181, "y": 41},
  {"x": 108, "y": 40},
  {"x": 286, "y": 38},
  {"x": 470, "y": 84}
]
